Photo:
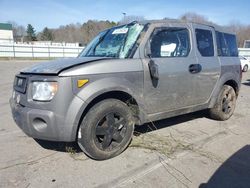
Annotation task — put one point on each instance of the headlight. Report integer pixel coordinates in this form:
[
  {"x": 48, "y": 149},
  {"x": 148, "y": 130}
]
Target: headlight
[{"x": 43, "y": 91}]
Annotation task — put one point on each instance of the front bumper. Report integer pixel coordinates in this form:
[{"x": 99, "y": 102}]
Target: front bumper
[
  {"x": 49, "y": 125},
  {"x": 35, "y": 123},
  {"x": 56, "y": 120}
]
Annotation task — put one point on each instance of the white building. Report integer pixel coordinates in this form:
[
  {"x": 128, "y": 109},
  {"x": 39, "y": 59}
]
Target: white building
[{"x": 6, "y": 33}]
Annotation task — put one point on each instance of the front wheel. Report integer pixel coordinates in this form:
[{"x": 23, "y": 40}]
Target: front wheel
[
  {"x": 225, "y": 104},
  {"x": 106, "y": 130}
]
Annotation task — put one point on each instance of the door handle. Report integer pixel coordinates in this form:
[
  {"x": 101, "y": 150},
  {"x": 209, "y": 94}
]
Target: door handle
[{"x": 195, "y": 68}]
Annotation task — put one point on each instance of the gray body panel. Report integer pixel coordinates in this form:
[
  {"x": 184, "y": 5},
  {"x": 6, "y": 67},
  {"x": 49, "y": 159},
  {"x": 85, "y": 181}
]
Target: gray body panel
[
  {"x": 174, "y": 88},
  {"x": 205, "y": 81},
  {"x": 56, "y": 66},
  {"x": 176, "y": 92},
  {"x": 60, "y": 113},
  {"x": 104, "y": 67},
  {"x": 63, "y": 113}
]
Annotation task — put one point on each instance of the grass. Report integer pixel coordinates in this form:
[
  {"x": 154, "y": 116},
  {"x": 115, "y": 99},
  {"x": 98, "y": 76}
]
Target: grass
[
  {"x": 166, "y": 145},
  {"x": 169, "y": 145}
]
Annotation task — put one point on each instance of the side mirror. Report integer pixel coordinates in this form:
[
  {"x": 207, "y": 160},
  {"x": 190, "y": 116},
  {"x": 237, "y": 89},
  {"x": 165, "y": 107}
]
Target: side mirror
[{"x": 153, "y": 68}]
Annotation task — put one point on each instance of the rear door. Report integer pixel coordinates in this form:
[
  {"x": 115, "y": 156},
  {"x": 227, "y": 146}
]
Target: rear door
[{"x": 207, "y": 58}]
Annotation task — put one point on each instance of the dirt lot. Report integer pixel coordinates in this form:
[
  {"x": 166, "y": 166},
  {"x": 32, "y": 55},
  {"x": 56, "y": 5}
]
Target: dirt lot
[{"x": 185, "y": 151}]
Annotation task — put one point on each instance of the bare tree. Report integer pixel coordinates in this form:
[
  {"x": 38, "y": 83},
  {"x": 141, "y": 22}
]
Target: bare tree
[
  {"x": 194, "y": 17},
  {"x": 19, "y": 31},
  {"x": 81, "y": 33},
  {"x": 242, "y": 31}
]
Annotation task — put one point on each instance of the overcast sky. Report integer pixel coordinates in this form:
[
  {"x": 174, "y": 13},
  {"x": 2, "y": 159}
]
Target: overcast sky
[{"x": 53, "y": 13}]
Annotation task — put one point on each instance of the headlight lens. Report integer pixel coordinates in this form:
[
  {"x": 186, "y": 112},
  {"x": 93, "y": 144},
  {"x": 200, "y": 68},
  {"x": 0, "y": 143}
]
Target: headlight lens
[{"x": 44, "y": 91}]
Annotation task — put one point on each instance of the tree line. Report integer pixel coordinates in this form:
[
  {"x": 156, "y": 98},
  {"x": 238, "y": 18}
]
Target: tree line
[
  {"x": 242, "y": 31},
  {"x": 83, "y": 33}
]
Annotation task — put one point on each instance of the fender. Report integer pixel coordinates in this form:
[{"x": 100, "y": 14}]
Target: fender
[
  {"x": 95, "y": 88},
  {"x": 226, "y": 76},
  {"x": 115, "y": 83}
]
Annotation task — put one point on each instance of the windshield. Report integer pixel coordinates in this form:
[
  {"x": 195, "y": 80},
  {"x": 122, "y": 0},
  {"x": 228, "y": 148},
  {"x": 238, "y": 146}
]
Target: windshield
[{"x": 116, "y": 42}]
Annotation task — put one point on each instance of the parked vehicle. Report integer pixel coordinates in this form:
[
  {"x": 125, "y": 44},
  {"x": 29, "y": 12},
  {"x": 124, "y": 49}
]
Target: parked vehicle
[
  {"x": 245, "y": 63},
  {"x": 129, "y": 75}
]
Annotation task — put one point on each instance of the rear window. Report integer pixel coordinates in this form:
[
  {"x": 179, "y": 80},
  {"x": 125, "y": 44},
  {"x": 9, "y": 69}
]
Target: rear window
[
  {"x": 226, "y": 45},
  {"x": 204, "y": 39}
]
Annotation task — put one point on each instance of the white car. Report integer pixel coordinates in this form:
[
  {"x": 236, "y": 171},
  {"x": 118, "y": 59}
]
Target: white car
[{"x": 245, "y": 63}]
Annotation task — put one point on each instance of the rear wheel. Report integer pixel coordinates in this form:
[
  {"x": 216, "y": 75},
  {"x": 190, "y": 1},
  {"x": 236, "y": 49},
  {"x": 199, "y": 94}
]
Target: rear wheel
[
  {"x": 245, "y": 68},
  {"x": 106, "y": 130},
  {"x": 225, "y": 104}
]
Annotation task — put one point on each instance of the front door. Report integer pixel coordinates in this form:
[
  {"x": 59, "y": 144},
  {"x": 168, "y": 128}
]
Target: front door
[{"x": 172, "y": 51}]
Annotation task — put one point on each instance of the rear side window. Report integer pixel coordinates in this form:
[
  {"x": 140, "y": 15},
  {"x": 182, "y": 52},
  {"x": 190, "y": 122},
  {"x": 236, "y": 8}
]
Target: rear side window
[
  {"x": 227, "y": 44},
  {"x": 170, "y": 42},
  {"x": 204, "y": 39},
  {"x": 221, "y": 45}
]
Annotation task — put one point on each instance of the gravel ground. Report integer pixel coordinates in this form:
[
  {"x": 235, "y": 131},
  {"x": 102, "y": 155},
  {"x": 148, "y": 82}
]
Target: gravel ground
[{"x": 186, "y": 151}]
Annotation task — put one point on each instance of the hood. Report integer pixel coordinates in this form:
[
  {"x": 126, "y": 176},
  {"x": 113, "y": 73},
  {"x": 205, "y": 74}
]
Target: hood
[{"x": 56, "y": 66}]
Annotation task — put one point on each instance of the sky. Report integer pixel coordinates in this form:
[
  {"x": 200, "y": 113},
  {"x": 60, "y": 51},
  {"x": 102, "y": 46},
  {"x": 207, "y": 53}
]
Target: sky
[{"x": 53, "y": 13}]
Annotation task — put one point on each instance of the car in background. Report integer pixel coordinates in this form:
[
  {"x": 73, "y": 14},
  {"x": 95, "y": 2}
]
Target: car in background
[{"x": 245, "y": 63}]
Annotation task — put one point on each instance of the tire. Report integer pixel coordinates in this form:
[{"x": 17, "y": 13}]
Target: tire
[
  {"x": 245, "y": 68},
  {"x": 106, "y": 130},
  {"x": 225, "y": 104}
]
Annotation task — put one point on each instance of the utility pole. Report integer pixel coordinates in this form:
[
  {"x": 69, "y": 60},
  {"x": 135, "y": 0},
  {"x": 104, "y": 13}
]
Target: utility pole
[{"x": 124, "y": 15}]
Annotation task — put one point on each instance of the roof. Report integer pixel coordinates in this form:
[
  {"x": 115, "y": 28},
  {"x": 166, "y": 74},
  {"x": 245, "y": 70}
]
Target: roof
[
  {"x": 215, "y": 26},
  {"x": 5, "y": 26}
]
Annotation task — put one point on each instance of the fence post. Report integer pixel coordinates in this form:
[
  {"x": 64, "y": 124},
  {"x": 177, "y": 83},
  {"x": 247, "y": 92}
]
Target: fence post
[
  {"x": 14, "y": 53},
  {"x": 49, "y": 51},
  {"x": 32, "y": 51},
  {"x": 63, "y": 52}
]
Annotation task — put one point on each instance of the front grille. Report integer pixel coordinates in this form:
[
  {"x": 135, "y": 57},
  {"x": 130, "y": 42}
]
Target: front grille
[{"x": 20, "y": 83}]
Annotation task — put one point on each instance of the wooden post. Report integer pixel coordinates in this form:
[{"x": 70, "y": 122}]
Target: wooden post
[
  {"x": 49, "y": 51},
  {"x": 14, "y": 53},
  {"x": 32, "y": 51}
]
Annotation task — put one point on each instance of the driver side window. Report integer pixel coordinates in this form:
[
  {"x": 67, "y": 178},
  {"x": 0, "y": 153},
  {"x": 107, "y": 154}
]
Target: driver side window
[{"x": 170, "y": 42}]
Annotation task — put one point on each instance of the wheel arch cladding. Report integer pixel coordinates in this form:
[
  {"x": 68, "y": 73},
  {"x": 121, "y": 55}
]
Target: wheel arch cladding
[
  {"x": 225, "y": 79},
  {"x": 234, "y": 85},
  {"x": 114, "y": 94}
]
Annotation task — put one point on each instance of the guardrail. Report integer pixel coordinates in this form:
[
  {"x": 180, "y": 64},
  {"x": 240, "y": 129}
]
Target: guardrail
[{"x": 38, "y": 51}]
